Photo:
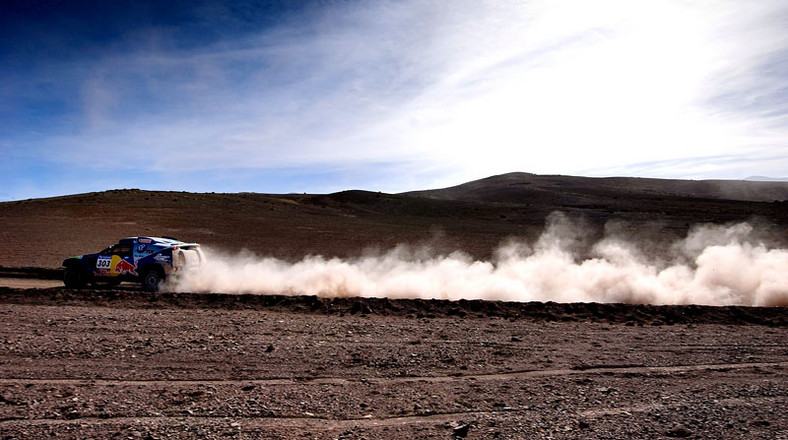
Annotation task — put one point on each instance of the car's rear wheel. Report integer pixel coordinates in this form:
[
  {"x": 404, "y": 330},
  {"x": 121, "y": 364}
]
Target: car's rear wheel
[
  {"x": 152, "y": 279},
  {"x": 74, "y": 278}
]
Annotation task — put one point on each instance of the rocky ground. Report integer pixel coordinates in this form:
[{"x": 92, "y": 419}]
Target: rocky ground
[
  {"x": 123, "y": 364},
  {"x": 126, "y": 364}
]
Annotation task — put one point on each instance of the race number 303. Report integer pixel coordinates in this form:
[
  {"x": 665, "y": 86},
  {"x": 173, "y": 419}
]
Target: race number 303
[{"x": 103, "y": 263}]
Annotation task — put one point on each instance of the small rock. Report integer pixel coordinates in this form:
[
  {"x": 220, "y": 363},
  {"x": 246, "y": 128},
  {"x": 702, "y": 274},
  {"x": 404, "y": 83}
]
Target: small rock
[
  {"x": 462, "y": 430},
  {"x": 679, "y": 432}
]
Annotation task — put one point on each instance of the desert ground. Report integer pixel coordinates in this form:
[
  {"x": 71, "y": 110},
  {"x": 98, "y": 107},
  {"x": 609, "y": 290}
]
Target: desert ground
[{"x": 122, "y": 363}]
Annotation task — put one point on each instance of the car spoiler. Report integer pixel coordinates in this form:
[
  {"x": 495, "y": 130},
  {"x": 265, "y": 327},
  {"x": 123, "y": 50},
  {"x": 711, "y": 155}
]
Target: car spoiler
[{"x": 186, "y": 245}]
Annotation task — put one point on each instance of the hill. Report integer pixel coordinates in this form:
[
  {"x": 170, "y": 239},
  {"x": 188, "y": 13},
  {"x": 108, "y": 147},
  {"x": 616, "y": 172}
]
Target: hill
[
  {"x": 474, "y": 217},
  {"x": 530, "y": 188}
]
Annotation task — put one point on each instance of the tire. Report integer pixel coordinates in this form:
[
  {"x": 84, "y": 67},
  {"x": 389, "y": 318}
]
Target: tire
[
  {"x": 151, "y": 279},
  {"x": 74, "y": 278}
]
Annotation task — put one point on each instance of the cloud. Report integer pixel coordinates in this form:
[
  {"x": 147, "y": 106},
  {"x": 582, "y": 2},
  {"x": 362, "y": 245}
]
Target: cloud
[
  {"x": 714, "y": 264},
  {"x": 627, "y": 84},
  {"x": 472, "y": 89}
]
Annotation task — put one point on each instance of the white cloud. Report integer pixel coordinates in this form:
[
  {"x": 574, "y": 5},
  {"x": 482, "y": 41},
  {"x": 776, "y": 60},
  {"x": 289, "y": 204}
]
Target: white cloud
[{"x": 473, "y": 88}]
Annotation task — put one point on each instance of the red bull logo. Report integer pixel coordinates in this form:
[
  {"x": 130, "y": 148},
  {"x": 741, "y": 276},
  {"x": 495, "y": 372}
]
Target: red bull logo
[{"x": 123, "y": 266}]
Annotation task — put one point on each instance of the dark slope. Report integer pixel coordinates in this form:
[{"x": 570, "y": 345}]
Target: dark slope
[
  {"x": 532, "y": 188},
  {"x": 670, "y": 205}
]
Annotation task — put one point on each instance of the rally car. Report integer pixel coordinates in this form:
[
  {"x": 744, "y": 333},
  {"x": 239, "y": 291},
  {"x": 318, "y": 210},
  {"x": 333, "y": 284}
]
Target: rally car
[{"x": 147, "y": 260}]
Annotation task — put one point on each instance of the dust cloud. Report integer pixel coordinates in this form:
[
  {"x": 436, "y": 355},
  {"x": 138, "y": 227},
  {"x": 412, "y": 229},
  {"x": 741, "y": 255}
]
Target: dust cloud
[{"x": 713, "y": 265}]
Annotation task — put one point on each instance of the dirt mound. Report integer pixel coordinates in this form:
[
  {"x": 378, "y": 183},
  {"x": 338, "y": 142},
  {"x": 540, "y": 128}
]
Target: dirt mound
[
  {"x": 409, "y": 308},
  {"x": 39, "y": 273}
]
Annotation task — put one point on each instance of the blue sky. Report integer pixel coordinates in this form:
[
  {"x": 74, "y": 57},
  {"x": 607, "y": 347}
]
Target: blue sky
[{"x": 321, "y": 96}]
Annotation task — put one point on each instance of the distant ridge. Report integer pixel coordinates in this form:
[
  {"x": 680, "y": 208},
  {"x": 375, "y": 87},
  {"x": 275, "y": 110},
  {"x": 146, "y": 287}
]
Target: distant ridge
[
  {"x": 766, "y": 179},
  {"x": 519, "y": 187}
]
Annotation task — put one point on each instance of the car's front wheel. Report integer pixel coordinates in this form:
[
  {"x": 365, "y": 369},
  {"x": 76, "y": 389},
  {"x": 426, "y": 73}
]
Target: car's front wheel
[
  {"x": 152, "y": 279},
  {"x": 74, "y": 278}
]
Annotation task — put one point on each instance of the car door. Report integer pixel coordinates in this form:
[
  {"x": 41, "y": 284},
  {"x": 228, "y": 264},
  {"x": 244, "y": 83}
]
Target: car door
[
  {"x": 102, "y": 263},
  {"x": 117, "y": 260}
]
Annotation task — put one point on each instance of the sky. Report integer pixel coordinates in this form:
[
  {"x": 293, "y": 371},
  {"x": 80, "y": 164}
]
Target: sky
[{"x": 322, "y": 96}]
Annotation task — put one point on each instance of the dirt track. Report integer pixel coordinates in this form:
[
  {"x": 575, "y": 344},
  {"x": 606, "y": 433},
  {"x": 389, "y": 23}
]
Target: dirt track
[{"x": 127, "y": 364}]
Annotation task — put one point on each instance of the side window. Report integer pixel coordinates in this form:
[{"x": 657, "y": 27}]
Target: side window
[{"x": 124, "y": 250}]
